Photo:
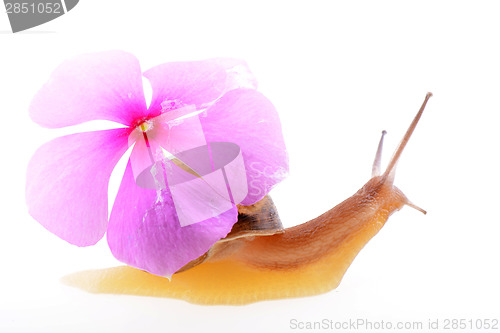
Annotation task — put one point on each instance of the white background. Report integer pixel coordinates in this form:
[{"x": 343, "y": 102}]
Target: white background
[{"x": 339, "y": 72}]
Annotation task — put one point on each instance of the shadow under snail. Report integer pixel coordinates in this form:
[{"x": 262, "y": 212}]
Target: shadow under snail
[{"x": 260, "y": 260}]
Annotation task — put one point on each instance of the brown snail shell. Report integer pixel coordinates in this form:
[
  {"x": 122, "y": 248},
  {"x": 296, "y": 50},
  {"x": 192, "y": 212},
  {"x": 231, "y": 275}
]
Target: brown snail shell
[{"x": 259, "y": 219}]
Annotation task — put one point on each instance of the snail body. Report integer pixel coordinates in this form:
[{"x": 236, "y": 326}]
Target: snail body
[{"x": 259, "y": 263}]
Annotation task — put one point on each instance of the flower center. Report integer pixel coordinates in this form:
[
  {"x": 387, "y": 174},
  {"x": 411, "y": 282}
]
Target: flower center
[{"x": 146, "y": 125}]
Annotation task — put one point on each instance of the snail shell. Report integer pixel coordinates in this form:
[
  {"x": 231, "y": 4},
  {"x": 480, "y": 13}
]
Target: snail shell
[{"x": 259, "y": 219}]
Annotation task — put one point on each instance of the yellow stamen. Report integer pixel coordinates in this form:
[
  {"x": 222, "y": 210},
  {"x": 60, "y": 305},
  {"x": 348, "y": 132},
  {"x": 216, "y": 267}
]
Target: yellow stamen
[{"x": 145, "y": 126}]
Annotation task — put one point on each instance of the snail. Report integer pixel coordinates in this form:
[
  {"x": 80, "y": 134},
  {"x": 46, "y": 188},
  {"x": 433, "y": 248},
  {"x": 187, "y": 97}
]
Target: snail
[{"x": 260, "y": 260}]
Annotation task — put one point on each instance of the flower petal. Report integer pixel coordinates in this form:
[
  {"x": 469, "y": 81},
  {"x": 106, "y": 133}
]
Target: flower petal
[
  {"x": 196, "y": 82},
  {"x": 67, "y": 183},
  {"x": 97, "y": 86},
  {"x": 248, "y": 119},
  {"x": 144, "y": 230}
]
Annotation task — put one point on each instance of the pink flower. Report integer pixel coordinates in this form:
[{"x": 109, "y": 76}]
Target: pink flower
[{"x": 67, "y": 179}]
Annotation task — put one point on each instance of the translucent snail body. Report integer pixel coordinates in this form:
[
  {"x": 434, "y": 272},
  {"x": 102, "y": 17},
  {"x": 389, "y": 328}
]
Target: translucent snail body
[{"x": 269, "y": 262}]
